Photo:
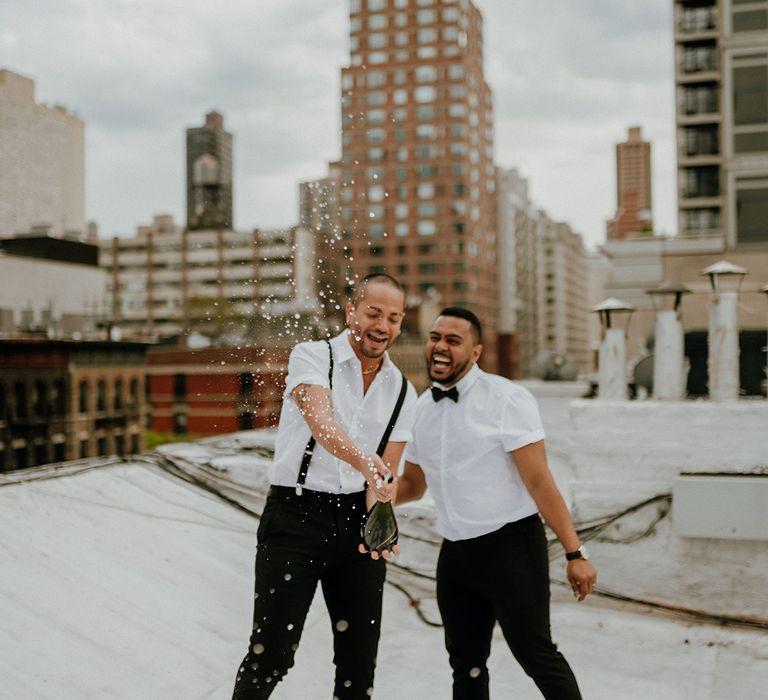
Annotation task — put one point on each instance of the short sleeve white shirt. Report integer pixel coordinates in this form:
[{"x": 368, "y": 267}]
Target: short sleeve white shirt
[
  {"x": 364, "y": 417},
  {"x": 464, "y": 450}
]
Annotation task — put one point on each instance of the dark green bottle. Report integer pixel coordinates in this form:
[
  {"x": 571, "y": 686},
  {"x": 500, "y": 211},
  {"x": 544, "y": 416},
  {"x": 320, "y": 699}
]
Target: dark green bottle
[{"x": 380, "y": 528}]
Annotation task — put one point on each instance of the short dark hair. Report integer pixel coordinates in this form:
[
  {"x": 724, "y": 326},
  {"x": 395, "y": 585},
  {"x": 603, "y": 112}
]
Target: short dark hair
[
  {"x": 467, "y": 315},
  {"x": 381, "y": 277}
]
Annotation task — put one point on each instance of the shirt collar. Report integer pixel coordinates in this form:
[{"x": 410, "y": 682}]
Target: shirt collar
[
  {"x": 466, "y": 382},
  {"x": 343, "y": 352}
]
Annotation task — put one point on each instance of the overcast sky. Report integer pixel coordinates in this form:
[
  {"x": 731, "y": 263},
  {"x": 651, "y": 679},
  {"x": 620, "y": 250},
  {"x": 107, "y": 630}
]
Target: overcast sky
[{"x": 569, "y": 77}]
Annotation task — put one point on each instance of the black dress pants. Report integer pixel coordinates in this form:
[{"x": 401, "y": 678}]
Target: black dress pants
[
  {"x": 303, "y": 540},
  {"x": 504, "y": 577}
]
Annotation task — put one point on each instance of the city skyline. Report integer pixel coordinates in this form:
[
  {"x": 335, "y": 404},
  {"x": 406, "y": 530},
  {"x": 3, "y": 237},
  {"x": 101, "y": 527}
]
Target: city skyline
[{"x": 567, "y": 84}]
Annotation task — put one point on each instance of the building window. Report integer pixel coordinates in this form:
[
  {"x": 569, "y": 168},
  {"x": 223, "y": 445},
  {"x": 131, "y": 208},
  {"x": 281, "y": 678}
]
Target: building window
[
  {"x": 134, "y": 393},
  {"x": 101, "y": 447},
  {"x": 118, "y": 402},
  {"x": 135, "y": 446},
  {"x": 39, "y": 398},
  {"x": 246, "y": 383},
  {"x": 101, "y": 396},
  {"x": 700, "y": 57},
  {"x": 401, "y": 211},
  {"x": 82, "y": 399},
  {"x": 376, "y": 5},
  {"x": 701, "y": 140},
  {"x": 400, "y": 96},
  {"x": 425, "y": 190},
  {"x": 401, "y": 229},
  {"x": 426, "y": 36},
  {"x": 425, "y": 93},
  {"x": 377, "y": 57},
  {"x": 426, "y": 228},
  {"x": 426, "y": 17},
  {"x": 456, "y": 71},
  {"x": 376, "y": 116},
  {"x": 750, "y": 95},
  {"x": 376, "y": 193},
  {"x": 376, "y": 135},
  {"x": 84, "y": 450},
  {"x": 702, "y": 182},
  {"x": 425, "y": 74},
  {"x": 179, "y": 423},
  {"x": 427, "y": 209},
  {"x": 377, "y": 22},
  {"x": 245, "y": 421},
  {"x": 119, "y": 445},
  {"x": 179, "y": 387},
  {"x": 376, "y": 98},
  {"x": 377, "y": 41},
  {"x": 41, "y": 454},
  {"x": 750, "y": 20},
  {"x": 58, "y": 398},
  {"x": 701, "y": 99},
  {"x": 704, "y": 220},
  {"x": 426, "y": 131},
  {"x": 752, "y": 214}
]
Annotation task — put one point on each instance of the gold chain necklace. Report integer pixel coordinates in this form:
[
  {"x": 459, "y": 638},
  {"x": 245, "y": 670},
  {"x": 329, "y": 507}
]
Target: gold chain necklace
[{"x": 374, "y": 370}]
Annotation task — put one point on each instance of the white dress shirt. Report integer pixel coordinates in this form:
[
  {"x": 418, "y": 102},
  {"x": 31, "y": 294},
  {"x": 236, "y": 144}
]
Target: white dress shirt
[
  {"x": 364, "y": 417},
  {"x": 464, "y": 450}
]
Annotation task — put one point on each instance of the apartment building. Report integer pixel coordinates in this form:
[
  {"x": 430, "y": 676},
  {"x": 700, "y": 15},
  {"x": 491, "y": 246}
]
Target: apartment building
[
  {"x": 167, "y": 280},
  {"x": 722, "y": 120},
  {"x": 563, "y": 292},
  {"x": 633, "y": 188},
  {"x": 42, "y": 163},
  {"x": 417, "y": 153}
]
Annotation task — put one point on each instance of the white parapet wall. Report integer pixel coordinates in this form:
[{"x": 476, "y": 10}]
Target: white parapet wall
[{"x": 624, "y": 452}]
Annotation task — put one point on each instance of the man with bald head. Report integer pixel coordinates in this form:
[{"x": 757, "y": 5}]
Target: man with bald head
[
  {"x": 346, "y": 416},
  {"x": 478, "y": 444}
]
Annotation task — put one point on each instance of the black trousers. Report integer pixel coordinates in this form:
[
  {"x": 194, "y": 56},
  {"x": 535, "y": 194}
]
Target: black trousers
[
  {"x": 303, "y": 540},
  {"x": 504, "y": 577}
]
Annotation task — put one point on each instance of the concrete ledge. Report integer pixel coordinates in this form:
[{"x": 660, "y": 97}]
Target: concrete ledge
[
  {"x": 627, "y": 451},
  {"x": 721, "y": 506}
]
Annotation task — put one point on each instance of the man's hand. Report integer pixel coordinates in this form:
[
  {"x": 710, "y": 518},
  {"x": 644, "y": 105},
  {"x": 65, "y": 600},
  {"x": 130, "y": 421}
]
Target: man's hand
[
  {"x": 380, "y": 479},
  {"x": 370, "y": 501},
  {"x": 582, "y": 576}
]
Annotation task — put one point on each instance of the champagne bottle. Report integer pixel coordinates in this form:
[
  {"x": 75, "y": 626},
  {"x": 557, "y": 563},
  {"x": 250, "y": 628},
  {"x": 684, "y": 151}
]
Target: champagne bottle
[{"x": 380, "y": 528}]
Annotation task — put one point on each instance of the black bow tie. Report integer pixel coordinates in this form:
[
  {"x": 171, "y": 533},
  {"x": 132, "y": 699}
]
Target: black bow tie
[{"x": 439, "y": 394}]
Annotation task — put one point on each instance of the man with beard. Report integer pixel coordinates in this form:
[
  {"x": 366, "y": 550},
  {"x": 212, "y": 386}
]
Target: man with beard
[
  {"x": 341, "y": 395},
  {"x": 478, "y": 444}
]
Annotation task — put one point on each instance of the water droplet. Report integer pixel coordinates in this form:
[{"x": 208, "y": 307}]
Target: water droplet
[
  {"x": 474, "y": 672},
  {"x": 258, "y": 649},
  {"x": 347, "y": 684},
  {"x": 342, "y": 625},
  {"x": 290, "y": 627}
]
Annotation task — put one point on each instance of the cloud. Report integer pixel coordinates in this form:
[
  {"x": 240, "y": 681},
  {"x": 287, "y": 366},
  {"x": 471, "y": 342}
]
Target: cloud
[{"x": 568, "y": 79}]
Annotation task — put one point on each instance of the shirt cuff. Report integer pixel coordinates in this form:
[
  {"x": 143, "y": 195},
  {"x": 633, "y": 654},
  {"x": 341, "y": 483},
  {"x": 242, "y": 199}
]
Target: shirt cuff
[
  {"x": 515, "y": 442},
  {"x": 401, "y": 436}
]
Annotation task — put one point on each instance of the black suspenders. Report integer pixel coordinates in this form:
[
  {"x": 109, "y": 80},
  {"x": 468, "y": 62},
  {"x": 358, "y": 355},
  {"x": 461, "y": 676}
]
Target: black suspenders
[{"x": 306, "y": 458}]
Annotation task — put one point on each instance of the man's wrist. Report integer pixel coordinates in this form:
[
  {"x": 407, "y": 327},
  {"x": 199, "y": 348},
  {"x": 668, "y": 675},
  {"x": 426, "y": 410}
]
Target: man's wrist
[{"x": 579, "y": 553}]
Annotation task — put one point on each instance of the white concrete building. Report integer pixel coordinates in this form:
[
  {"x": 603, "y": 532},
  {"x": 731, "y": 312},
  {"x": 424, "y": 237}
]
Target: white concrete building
[
  {"x": 42, "y": 152},
  {"x": 38, "y": 295},
  {"x": 165, "y": 278},
  {"x": 562, "y": 284}
]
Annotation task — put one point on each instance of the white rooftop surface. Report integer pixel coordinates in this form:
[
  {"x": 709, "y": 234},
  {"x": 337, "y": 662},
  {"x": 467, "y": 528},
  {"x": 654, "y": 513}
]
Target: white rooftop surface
[{"x": 126, "y": 582}]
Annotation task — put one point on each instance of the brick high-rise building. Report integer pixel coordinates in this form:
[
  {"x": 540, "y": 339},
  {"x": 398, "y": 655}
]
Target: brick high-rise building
[
  {"x": 209, "y": 175},
  {"x": 633, "y": 188},
  {"x": 417, "y": 153}
]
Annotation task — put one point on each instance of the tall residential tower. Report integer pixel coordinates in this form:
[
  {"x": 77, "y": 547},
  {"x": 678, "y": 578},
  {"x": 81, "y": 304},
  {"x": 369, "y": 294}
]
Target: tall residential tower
[
  {"x": 633, "y": 188},
  {"x": 722, "y": 119},
  {"x": 417, "y": 153}
]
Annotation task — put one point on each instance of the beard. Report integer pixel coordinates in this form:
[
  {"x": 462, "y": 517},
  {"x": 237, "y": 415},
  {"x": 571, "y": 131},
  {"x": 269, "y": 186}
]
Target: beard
[
  {"x": 453, "y": 377},
  {"x": 371, "y": 353}
]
